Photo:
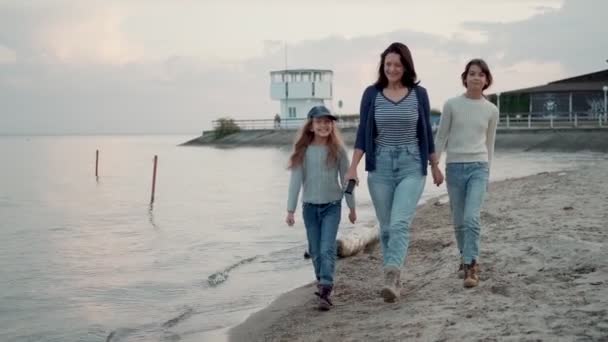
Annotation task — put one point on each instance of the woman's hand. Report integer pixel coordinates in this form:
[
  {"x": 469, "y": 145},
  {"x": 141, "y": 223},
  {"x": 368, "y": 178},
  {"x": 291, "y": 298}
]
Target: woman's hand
[
  {"x": 290, "y": 220},
  {"x": 351, "y": 174}
]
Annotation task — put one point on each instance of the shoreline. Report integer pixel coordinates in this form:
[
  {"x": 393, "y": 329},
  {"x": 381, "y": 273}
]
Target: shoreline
[
  {"x": 544, "y": 274},
  {"x": 533, "y": 139}
]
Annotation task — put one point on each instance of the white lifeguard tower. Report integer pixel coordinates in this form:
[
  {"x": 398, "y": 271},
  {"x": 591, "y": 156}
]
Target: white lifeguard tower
[{"x": 299, "y": 90}]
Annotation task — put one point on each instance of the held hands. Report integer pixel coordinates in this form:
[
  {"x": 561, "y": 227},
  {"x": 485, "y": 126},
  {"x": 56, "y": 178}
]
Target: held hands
[
  {"x": 290, "y": 220},
  {"x": 352, "y": 216},
  {"x": 435, "y": 171},
  {"x": 437, "y": 175}
]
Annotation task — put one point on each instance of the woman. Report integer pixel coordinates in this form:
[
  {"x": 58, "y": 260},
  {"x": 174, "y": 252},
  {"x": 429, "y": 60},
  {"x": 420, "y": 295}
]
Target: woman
[
  {"x": 395, "y": 136},
  {"x": 467, "y": 132}
]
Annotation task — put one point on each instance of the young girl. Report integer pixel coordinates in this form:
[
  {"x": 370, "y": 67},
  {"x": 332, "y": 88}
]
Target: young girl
[
  {"x": 318, "y": 165},
  {"x": 466, "y": 132}
]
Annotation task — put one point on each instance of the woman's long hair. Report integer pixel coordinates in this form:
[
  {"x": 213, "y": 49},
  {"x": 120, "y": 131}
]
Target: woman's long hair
[
  {"x": 305, "y": 137},
  {"x": 409, "y": 78}
]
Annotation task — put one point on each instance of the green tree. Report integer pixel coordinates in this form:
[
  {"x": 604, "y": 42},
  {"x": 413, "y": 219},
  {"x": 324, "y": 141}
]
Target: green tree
[{"x": 225, "y": 127}]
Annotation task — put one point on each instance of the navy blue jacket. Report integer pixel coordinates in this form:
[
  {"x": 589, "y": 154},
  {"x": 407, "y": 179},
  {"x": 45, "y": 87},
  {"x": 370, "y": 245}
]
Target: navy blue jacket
[{"x": 367, "y": 132}]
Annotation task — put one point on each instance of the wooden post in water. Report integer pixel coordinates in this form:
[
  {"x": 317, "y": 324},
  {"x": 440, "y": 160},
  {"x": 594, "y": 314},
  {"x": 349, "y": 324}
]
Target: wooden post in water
[
  {"x": 97, "y": 163},
  {"x": 154, "y": 179}
]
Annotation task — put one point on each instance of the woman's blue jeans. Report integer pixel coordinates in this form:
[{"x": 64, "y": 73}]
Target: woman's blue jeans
[{"x": 395, "y": 187}]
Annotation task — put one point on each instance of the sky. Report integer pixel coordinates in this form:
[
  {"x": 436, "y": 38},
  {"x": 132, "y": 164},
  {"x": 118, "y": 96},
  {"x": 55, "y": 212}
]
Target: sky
[{"x": 173, "y": 66}]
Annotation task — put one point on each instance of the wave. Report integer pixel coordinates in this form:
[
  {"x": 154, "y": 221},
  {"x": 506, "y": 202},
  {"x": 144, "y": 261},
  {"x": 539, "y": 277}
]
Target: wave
[
  {"x": 279, "y": 256},
  {"x": 178, "y": 319},
  {"x": 119, "y": 334},
  {"x": 152, "y": 330},
  {"x": 220, "y": 277}
]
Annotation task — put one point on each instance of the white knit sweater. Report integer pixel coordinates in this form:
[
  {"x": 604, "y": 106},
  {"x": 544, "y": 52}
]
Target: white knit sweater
[{"x": 467, "y": 130}]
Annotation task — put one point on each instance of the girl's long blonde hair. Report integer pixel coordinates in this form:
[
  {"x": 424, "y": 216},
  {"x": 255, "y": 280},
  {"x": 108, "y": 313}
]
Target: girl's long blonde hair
[{"x": 305, "y": 137}]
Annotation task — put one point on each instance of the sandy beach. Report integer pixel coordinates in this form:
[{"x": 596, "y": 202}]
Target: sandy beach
[{"x": 544, "y": 275}]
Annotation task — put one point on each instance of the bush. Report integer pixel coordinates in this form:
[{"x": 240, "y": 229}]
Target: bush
[{"x": 225, "y": 127}]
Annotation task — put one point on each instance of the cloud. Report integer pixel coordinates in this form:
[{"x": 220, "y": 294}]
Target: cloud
[
  {"x": 184, "y": 93},
  {"x": 7, "y": 56},
  {"x": 573, "y": 35},
  {"x": 68, "y": 32},
  {"x": 93, "y": 38},
  {"x": 80, "y": 71}
]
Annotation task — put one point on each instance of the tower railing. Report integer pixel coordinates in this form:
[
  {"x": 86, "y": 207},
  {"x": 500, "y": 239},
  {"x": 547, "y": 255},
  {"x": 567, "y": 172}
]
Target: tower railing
[
  {"x": 506, "y": 121},
  {"x": 346, "y": 121}
]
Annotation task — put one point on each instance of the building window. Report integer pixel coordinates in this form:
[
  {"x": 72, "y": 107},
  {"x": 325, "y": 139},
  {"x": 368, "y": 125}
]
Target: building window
[
  {"x": 550, "y": 104},
  {"x": 588, "y": 103},
  {"x": 292, "y": 112}
]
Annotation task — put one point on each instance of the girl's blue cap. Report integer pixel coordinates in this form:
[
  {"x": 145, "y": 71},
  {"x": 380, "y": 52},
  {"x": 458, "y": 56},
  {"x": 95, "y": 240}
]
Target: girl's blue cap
[{"x": 320, "y": 111}]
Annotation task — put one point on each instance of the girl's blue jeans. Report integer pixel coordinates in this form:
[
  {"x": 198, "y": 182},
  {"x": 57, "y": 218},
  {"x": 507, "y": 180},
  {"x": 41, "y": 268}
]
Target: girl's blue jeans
[
  {"x": 322, "y": 221},
  {"x": 467, "y": 184}
]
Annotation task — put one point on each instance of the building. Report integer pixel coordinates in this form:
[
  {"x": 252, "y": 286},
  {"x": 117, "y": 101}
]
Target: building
[
  {"x": 298, "y": 90},
  {"x": 583, "y": 95},
  {"x": 435, "y": 119}
]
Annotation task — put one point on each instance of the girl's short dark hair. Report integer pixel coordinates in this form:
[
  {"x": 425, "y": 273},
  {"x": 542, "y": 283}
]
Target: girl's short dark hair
[
  {"x": 409, "y": 78},
  {"x": 484, "y": 68}
]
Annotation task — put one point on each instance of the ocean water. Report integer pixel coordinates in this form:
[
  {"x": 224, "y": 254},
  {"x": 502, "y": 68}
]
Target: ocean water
[{"x": 89, "y": 259}]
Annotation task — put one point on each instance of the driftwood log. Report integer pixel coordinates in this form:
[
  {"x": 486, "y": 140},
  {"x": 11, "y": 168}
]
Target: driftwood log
[{"x": 357, "y": 240}]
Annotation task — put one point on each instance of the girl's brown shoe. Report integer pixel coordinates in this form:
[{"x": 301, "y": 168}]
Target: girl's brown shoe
[{"x": 471, "y": 274}]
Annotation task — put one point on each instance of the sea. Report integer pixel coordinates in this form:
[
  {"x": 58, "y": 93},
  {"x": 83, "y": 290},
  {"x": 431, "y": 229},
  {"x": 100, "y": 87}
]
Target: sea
[{"x": 90, "y": 258}]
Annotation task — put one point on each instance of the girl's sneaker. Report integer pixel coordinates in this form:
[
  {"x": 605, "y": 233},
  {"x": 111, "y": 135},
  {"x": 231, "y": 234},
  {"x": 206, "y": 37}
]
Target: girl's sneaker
[{"x": 471, "y": 274}]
